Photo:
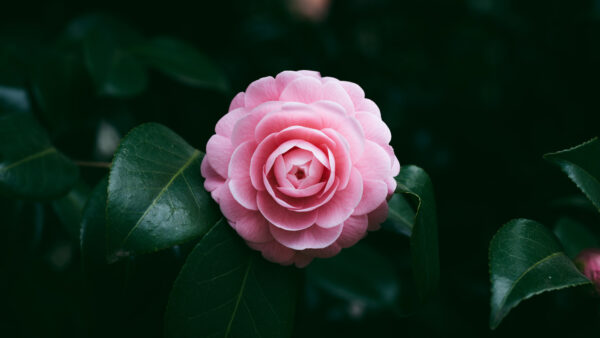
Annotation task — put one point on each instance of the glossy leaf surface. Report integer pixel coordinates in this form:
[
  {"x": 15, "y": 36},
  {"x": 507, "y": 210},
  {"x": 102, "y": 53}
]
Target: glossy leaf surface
[
  {"x": 526, "y": 260},
  {"x": 582, "y": 166},
  {"x": 226, "y": 290},
  {"x": 156, "y": 197},
  {"x": 415, "y": 184},
  {"x": 30, "y": 166}
]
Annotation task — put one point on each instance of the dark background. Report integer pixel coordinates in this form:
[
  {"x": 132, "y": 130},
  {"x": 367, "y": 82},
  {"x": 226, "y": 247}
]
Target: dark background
[{"x": 475, "y": 92}]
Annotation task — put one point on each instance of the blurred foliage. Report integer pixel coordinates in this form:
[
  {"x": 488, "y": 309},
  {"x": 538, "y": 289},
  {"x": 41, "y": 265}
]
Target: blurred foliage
[{"x": 473, "y": 91}]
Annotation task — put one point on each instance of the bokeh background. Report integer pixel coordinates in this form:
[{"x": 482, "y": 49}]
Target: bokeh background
[{"x": 475, "y": 92}]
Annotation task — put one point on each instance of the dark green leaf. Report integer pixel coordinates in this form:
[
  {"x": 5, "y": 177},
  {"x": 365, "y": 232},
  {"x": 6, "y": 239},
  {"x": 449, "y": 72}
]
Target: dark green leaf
[
  {"x": 582, "y": 166},
  {"x": 156, "y": 197},
  {"x": 70, "y": 208},
  {"x": 526, "y": 260},
  {"x": 574, "y": 236},
  {"x": 93, "y": 227},
  {"x": 30, "y": 166},
  {"x": 358, "y": 274},
  {"x": 415, "y": 183},
  {"x": 61, "y": 89},
  {"x": 115, "y": 71},
  {"x": 13, "y": 99},
  {"x": 226, "y": 290},
  {"x": 181, "y": 61},
  {"x": 401, "y": 216}
]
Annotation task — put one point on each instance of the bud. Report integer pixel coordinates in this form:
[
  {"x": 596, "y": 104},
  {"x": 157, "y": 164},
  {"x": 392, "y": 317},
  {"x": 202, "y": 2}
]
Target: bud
[{"x": 588, "y": 261}]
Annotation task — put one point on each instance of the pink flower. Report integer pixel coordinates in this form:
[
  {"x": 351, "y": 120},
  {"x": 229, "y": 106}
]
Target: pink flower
[
  {"x": 301, "y": 166},
  {"x": 588, "y": 261}
]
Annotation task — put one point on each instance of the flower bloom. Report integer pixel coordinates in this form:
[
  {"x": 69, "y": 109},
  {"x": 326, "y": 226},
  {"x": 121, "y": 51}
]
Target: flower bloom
[
  {"x": 301, "y": 166},
  {"x": 588, "y": 261}
]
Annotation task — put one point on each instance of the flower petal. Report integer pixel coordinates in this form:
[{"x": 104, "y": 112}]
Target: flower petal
[
  {"x": 342, "y": 204},
  {"x": 243, "y": 192},
  {"x": 282, "y": 217},
  {"x": 303, "y": 89},
  {"x": 374, "y": 193},
  {"x": 374, "y": 128},
  {"x": 274, "y": 252},
  {"x": 253, "y": 227},
  {"x": 355, "y": 228},
  {"x": 218, "y": 153},
  {"x": 375, "y": 163},
  {"x": 261, "y": 90},
  {"x": 313, "y": 237}
]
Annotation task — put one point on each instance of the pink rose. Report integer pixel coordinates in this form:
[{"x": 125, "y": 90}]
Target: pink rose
[
  {"x": 301, "y": 166},
  {"x": 588, "y": 261}
]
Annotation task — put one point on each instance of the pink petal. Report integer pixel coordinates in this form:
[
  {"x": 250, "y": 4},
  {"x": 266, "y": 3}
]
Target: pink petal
[
  {"x": 257, "y": 163},
  {"x": 305, "y": 192},
  {"x": 310, "y": 73},
  {"x": 297, "y": 157},
  {"x": 375, "y": 163},
  {"x": 303, "y": 89},
  {"x": 274, "y": 252},
  {"x": 295, "y": 143},
  {"x": 346, "y": 126},
  {"x": 341, "y": 155},
  {"x": 333, "y": 91},
  {"x": 374, "y": 193},
  {"x": 243, "y": 192},
  {"x": 237, "y": 102},
  {"x": 378, "y": 216},
  {"x": 218, "y": 153},
  {"x": 313, "y": 237},
  {"x": 261, "y": 90},
  {"x": 374, "y": 128},
  {"x": 356, "y": 93},
  {"x": 280, "y": 120},
  {"x": 391, "y": 185},
  {"x": 280, "y": 170},
  {"x": 355, "y": 228},
  {"x": 342, "y": 204},
  {"x": 239, "y": 166},
  {"x": 368, "y": 106},
  {"x": 315, "y": 174},
  {"x": 225, "y": 125},
  {"x": 243, "y": 130},
  {"x": 282, "y": 217},
  {"x": 212, "y": 180},
  {"x": 230, "y": 208},
  {"x": 253, "y": 227},
  {"x": 395, "y": 162}
]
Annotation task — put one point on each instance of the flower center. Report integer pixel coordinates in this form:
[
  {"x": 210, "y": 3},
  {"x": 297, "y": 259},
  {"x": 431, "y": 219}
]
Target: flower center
[{"x": 298, "y": 172}]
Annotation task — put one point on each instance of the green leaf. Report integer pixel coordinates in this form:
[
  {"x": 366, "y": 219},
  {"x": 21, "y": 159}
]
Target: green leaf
[
  {"x": 181, "y": 61},
  {"x": 14, "y": 99},
  {"x": 582, "y": 165},
  {"x": 574, "y": 236},
  {"x": 61, "y": 89},
  {"x": 30, "y": 167},
  {"x": 115, "y": 71},
  {"x": 415, "y": 184},
  {"x": 359, "y": 274},
  {"x": 156, "y": 197},
  {"x": 69, "y": 208},
  {"x": 526, "y": 260},
  {"x": 401, "y": 216},
  {"x": 93, "y": 227},
  {"x": 226, "y": 290}
]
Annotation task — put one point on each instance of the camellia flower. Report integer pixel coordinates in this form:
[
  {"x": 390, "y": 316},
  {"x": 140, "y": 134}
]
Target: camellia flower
[
  {"x": 588, "y": 261},
  {"x": 301, "y": 166}
]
